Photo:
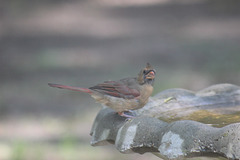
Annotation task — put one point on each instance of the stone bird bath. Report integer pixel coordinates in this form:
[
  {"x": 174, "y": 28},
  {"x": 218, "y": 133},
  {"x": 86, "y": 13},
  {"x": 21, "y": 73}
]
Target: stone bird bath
[{"x": 177, "y": 124}]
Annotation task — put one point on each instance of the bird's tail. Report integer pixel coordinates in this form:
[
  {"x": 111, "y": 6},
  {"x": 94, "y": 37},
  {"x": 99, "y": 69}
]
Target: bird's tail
[{"x": 70, "y": 88}]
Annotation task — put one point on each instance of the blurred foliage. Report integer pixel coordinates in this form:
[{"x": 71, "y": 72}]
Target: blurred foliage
[{"x": 191, "y": 44}]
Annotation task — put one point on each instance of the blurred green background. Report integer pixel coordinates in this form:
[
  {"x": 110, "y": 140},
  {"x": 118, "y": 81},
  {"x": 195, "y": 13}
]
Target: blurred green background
[{"x": 192, "y": 44}]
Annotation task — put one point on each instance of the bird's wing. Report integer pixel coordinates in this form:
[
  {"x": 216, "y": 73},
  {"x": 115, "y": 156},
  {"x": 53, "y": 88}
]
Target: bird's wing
[{"x": 118, "y": 89}]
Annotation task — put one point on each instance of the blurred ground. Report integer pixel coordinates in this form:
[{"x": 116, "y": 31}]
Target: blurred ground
[{"x": 191, "y": 43}]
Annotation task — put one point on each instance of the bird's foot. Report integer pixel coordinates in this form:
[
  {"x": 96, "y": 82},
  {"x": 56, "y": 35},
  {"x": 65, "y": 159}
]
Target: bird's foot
[
  {"x": 125, "y": 115},
  {"x": 131, "y": 111}
]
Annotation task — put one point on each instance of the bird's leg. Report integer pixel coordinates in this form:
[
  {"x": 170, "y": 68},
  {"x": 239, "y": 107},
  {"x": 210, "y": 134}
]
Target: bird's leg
[{"x": 125, "y": 115}]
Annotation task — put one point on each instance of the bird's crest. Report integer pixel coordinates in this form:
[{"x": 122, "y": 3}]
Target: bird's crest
[{"x": 142, "y": 73}]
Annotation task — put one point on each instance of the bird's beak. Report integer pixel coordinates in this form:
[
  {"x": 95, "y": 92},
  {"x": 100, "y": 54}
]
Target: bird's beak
[{"x": 150, "y": 75}]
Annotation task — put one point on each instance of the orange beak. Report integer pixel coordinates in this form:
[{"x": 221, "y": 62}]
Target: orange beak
[{"x": 150, "y": 75}]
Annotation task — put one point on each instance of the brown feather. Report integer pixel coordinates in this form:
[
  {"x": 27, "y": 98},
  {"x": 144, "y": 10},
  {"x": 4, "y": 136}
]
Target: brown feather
[
  {"x": 116, "y": 89},
  {"x": 70, "y": 88}
]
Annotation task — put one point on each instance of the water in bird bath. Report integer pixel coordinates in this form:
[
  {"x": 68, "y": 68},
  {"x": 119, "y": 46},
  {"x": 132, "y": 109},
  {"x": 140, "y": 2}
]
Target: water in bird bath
[
  {"x": 207, "y": 117},
  {"x": 217, "y": 105}
]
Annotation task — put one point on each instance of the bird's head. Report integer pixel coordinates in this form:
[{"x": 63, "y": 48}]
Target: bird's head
[{"x": 146, "y": 75}]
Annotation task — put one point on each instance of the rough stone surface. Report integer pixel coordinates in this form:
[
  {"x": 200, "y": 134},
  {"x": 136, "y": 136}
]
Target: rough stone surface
[{"x": 178, "y": 138}]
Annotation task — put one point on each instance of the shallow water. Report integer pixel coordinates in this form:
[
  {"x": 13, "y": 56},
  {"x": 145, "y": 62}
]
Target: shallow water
[{"x": 207, "y": 117}]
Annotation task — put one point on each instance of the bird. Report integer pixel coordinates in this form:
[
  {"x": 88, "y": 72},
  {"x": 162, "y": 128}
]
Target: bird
[{"x": 123, "y": 95}]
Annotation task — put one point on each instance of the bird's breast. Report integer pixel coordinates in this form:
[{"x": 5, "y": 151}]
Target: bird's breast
[{"x": 145, "y": 93}]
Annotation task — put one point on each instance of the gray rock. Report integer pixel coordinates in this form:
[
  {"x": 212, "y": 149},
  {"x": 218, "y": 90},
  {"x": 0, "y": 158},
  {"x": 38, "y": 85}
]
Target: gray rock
[{"x": 179, "y": 138}]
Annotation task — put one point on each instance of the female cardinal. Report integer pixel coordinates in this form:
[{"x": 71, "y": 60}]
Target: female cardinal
[{"x": 122, "y": 95}]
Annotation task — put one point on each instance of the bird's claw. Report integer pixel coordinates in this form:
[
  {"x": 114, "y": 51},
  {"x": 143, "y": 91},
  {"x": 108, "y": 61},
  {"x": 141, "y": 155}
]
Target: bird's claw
[{"x": 126, "y": 115}]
